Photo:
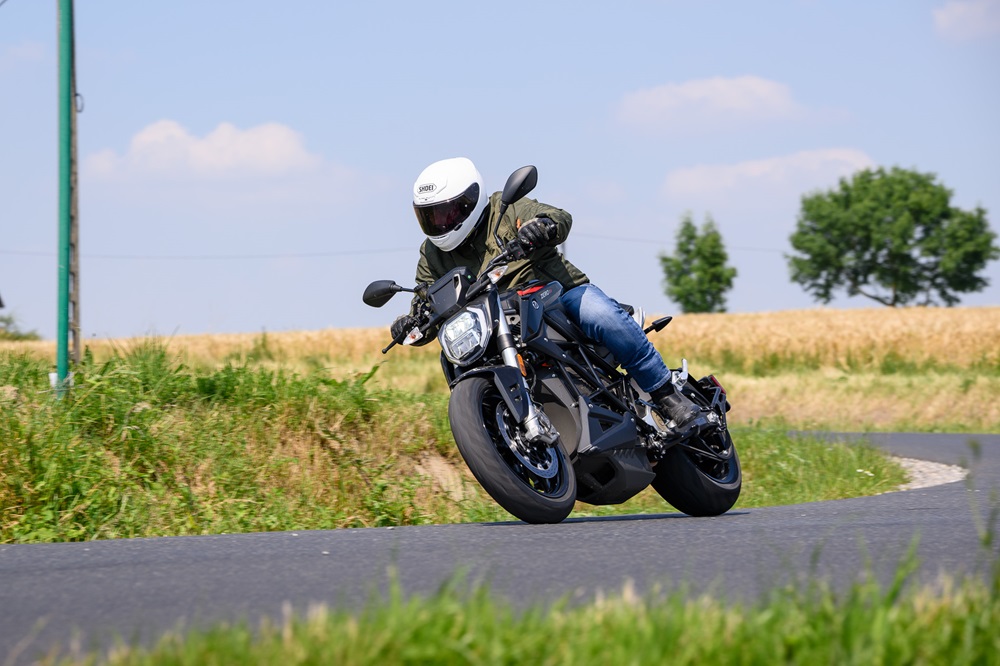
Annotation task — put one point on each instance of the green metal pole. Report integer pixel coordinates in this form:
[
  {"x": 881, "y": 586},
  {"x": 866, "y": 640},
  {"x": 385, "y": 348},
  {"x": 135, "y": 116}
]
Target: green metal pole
[{"x": 66, "y": 102}]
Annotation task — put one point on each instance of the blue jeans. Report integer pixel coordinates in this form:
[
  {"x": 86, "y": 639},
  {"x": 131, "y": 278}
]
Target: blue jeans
[{"x": 604, "y": 321}]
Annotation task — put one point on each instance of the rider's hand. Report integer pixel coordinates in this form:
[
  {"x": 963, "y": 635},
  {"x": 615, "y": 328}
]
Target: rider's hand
[
  {"x": 537, "y": 232},
  {"x": 403, "y": 325}
]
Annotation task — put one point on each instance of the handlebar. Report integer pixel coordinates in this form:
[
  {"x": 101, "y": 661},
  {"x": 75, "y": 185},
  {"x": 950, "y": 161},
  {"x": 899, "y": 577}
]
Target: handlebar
[{"x": 513, "y": 251}]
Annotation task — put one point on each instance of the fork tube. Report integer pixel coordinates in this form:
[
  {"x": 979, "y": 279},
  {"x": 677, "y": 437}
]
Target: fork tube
[
  {"x": 505, "y": 341},
  {"x": 536, "y": 425}
]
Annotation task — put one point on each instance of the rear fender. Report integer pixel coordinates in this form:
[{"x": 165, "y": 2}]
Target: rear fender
[{"x": 712, "y": 390}]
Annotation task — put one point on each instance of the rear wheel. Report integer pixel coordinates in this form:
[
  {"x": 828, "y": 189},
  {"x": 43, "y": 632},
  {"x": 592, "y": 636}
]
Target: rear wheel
[
  {"x": 533, "y": 482},
  {"x": 702, "y": 476}
]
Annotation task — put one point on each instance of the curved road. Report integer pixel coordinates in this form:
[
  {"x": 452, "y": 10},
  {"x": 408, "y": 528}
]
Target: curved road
[{"x": 140, "y": 588}]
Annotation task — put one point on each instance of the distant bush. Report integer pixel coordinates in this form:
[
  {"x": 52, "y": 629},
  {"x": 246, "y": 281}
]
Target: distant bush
[{"x": 10, "y": 331}]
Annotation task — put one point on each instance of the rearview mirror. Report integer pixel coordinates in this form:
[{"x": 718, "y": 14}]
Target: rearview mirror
[
  {"x": 519, "y": 184},
  {"x": 379, "y": 292}
]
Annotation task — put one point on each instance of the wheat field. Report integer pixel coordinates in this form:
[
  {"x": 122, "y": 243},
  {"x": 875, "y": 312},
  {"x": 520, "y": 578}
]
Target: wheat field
[
  {"x": 961, "y": 337},
  {"x": 866, "y": 338},
  {"x": 914, "y": 368}
]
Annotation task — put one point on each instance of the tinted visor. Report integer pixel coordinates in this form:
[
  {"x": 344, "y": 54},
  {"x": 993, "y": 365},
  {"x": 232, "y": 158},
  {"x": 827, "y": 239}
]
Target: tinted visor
[{"x": 440, "y": 218}]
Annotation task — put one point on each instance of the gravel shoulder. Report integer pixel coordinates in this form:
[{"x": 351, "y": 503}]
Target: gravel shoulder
[{"x": 927, "y": 474}]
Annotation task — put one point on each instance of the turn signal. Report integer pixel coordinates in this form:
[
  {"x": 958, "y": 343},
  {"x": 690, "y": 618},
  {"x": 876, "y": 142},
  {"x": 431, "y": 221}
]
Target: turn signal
[{"x": 520, "y": 364}]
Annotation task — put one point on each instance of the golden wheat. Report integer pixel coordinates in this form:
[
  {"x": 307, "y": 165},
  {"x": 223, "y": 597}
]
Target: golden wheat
[
  {"x": 962, "y": 337},
  {"x": 842, "y": 349}
]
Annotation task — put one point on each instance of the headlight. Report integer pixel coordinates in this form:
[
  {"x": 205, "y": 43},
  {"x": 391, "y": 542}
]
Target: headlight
[{"x": 463, "y": 338}]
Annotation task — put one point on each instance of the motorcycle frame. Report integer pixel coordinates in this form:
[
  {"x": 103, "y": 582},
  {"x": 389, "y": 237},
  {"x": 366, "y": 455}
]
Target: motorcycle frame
[{"x": 580, "y": 389}]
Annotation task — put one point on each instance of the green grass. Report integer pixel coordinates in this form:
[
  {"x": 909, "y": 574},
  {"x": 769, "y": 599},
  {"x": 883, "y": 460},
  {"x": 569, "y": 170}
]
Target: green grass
[
  {"x": 898, "y": 623},
  {"x": 145, "y": 446}
]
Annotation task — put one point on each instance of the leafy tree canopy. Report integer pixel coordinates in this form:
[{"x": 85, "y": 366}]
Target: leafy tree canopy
[
  {"x": 892, "y": 236},
  {"x": 696, "y": 276}
]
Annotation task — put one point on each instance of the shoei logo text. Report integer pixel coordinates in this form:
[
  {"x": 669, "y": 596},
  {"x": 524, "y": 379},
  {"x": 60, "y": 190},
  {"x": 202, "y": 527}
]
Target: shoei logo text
[{"x": 426, "y": 189}]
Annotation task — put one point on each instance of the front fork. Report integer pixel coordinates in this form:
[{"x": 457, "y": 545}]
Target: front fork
[{"x": 537, "y": 427}]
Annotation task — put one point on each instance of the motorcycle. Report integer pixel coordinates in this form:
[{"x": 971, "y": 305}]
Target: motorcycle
[{"x": 543, "y": 416}]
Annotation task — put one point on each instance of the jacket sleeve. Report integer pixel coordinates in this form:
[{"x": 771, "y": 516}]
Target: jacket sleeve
[{"x": 425, "y": 271}]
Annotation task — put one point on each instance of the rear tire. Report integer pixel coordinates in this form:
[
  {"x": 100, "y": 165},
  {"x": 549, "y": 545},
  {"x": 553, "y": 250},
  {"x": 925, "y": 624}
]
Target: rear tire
[
  {"x": 697, "y": 484},
  {"x": 536, "y": 483}
]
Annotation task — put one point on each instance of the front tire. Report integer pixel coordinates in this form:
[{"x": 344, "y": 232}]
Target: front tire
[{"x": 533, "y": 482}]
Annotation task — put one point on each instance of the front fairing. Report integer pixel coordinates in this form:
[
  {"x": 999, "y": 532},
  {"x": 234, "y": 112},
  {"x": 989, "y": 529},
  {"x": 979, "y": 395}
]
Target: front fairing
[{"x": 447, "y": 295}]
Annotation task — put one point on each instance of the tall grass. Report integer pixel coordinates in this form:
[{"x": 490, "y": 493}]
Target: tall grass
[
  {"x": 952, "y": 624},
  {"x": 144, "y": 445}
]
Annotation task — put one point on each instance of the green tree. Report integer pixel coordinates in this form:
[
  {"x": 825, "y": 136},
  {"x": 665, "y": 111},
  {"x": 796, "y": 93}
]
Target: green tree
[
  {"x": 892, "y": 236},
  {"x": 696, "y": 276},
  {"x": 10, "y": 331}
]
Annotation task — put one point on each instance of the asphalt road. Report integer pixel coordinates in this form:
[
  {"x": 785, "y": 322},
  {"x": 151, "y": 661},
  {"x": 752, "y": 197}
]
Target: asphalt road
[{"x": 139, "y": 588}]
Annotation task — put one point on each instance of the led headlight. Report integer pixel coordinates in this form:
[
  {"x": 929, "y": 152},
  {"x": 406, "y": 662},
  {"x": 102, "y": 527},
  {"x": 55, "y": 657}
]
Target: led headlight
[{"x": 463, "y": 338}]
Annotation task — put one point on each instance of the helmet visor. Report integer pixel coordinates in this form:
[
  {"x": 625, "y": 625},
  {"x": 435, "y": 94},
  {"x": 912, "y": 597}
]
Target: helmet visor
[{"x": 437, "y": 219}]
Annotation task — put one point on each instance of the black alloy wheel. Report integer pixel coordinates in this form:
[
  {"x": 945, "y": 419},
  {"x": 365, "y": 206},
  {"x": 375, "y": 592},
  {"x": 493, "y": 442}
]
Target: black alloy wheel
[{"x": 533, "y": 482}]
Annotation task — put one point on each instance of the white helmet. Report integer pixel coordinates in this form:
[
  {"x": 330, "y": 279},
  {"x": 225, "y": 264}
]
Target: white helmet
[{"x": 449, "y": 198}]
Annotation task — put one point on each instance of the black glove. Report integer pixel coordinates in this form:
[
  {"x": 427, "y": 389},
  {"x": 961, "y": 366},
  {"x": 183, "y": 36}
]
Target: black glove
[
  {"x": 537, "y": 232},
  {"x": 403, "y": 325}
]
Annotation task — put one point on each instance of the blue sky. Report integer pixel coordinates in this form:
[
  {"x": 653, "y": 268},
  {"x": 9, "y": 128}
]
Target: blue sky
[{"x": 247, "y": 165}]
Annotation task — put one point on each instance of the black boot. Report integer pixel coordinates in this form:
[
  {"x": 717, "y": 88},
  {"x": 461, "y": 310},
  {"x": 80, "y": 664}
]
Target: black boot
[{"x": 676, "y": 406}]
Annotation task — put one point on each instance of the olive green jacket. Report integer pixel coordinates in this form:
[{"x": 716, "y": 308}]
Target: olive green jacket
[{"x": 544, "y": 264}]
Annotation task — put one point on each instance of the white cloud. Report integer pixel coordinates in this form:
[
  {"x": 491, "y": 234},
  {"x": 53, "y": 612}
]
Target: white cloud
[
  {"x": 788, "y": 174},
  {"x": 231, "y": 174},
  {"x": 709, "y": 104},
  {"x": 968, "y": 19},
  {"x": 165, "y": 149},
  {"x": 25, "y": 52},
  {"x": 755, "y": 203}
]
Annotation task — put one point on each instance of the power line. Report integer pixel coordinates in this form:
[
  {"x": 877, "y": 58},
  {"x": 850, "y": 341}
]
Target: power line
[
  {"x": 579, "y": 234},
  {"x": 214, "y": 257},
  {"x": 340, "y": 253}
]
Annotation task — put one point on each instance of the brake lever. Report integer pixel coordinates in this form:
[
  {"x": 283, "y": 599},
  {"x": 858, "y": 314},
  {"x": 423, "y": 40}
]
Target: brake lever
[{"x": 395, "y": 341}]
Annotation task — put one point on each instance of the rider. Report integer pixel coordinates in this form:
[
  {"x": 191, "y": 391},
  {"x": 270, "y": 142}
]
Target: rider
[{"x": 460, "y": 220}]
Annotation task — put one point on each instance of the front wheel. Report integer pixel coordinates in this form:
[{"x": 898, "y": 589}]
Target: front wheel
[{"x": 533, "y": 482}]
